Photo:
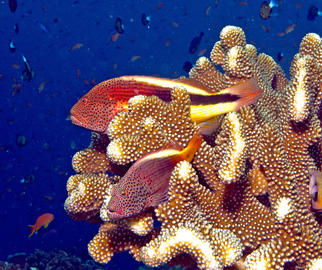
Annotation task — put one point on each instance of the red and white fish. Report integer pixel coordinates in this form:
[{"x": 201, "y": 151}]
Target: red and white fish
[
  {"x": 146, "y": 183},
  {"x": 97, "y": 108}
]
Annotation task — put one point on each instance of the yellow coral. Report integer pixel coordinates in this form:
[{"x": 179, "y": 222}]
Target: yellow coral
[{"x": 246, "y": 191}]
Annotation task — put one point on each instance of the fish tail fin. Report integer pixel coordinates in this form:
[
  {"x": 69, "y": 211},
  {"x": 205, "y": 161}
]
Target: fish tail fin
[
  {"x": 248, "y": 91},
  {"x": 33, "y": 229},
  {"x": 189, "y": 151}
]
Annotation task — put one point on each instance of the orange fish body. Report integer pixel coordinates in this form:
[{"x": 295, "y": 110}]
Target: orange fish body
[
  {"x": 42, "y": 220},
  {"x": 146, "y": 183},
  {"x": 98, "y": 107}
]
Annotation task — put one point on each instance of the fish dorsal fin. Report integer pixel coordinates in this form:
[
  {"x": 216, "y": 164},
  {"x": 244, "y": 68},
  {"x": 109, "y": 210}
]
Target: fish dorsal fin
[{"x": 192, "y": 83}]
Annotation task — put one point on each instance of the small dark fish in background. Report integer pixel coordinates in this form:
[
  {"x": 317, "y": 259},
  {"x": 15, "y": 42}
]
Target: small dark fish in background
[
  {"x": 313, "y": 12},
  {"x": 27, "y": 74},
  {"x": 16, "y": 28},
  {"x": 43, "y": 27},
  {"x": 13, "y": 5},
  {"x": 280, "y": 56},
  {"x": 195, "y": 42},
  {"x": 266, "y": 9},
  {"x": 119, "y": 27},
  {"x": 145, "y": 19},
  {"x": 12, "y": 46},
  {"x": 187, "y": 66},
  {"x": 21, "y": 140}
]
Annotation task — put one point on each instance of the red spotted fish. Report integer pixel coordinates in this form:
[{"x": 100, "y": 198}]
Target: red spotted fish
[
  {"x": 97, "y": 108},
  {"x": 145, "y": 184}
]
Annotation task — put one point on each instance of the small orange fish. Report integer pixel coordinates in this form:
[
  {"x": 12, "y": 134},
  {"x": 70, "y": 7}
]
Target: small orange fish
[
  {"x": 146, "y": 183},
  {"x": 175, "y": 24},
  {"x": 298, "y": 5},
  {"x": 160, "y": 5},
  {"x": 280, "y": 34},
  {"x": 243, "y": 3},
  {"x": 207, "y": 10},
  {"x": 98, "y": 107},
  {"x": 115, "y": 37},
  {"x": 202, "y": 52},
  {"x": 78, "y": 72},
  {"x": 290, "y": 28},
  {"x": 167, "y": 43},
  {"x": 76, "y": 46},
  {"x": 135, "y": 57},
  {"x": 42, "y": 220},
  {"x": 15, "y": 66},
  {"x": 41, "y": 86}
]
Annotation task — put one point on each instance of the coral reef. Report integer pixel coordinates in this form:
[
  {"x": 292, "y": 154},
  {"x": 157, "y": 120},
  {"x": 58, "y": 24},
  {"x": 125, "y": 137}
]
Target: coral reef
[
  {"x": 43, "y": 260},
  {"x": 244, "y": 199}
]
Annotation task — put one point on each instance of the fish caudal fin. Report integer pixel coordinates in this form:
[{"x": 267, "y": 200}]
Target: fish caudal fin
[
  {"x": 205, "y": 107},
  {"x": 33, "y": 229},
  {"x": 248, "y": 91},
  {"x": 189, "y": 151}
]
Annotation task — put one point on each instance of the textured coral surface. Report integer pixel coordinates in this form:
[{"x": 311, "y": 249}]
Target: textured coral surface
[{"x": 244, "y": 199}]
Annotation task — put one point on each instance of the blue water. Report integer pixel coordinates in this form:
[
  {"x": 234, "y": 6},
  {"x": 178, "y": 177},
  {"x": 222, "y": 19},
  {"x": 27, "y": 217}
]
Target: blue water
[{"x": 47, "y": 32}]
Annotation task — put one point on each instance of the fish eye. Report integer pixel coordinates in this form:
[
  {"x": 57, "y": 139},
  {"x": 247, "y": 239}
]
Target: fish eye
[
  {"x": 124, "y": 192},
  {"x": 84, "y": 100}
]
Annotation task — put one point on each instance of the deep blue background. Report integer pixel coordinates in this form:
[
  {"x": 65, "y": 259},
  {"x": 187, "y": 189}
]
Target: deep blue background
[{"x": 40, "y": 117}]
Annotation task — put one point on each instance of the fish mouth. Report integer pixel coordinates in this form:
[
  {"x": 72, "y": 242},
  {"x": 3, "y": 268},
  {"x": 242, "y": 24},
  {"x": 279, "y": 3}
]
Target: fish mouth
[
  {"x": 114, "y": 214},
  {"x": 76, "y": 121}
]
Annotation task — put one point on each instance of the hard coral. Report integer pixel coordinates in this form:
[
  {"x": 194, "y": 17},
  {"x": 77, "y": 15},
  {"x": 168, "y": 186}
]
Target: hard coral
[{"x": 245, "y": 196}]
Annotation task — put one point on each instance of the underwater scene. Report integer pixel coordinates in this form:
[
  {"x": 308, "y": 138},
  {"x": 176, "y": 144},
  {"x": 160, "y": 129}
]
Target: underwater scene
[{"x": 161, "y": 134}]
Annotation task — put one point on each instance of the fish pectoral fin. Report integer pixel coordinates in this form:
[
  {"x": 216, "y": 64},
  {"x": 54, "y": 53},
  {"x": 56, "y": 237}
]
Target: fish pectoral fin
[
  {"x": 210, "y": 126},
  {"x": 173, "y": 145},
  {"x": 46, "y": 225},
  {"x": 157, "y": 198}
]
